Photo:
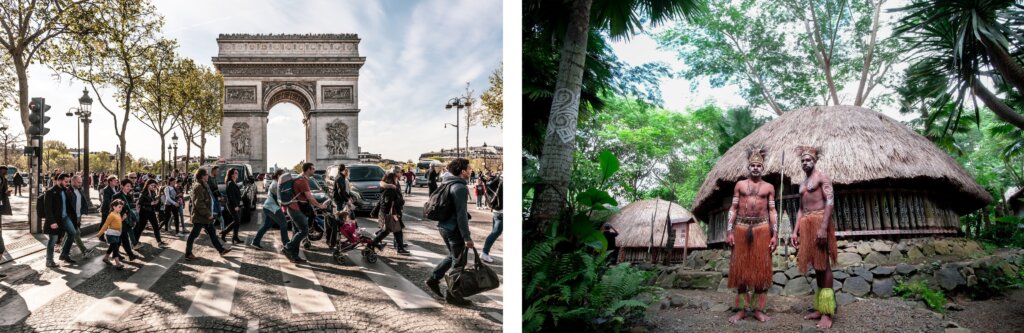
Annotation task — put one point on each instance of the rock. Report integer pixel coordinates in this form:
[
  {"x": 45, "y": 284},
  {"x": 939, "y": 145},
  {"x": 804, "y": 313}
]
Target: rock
[
  {"x": 896, "y": 256},
  {"x": 901, "y": 247},
  {"x": 879, "y": 246},
  {"x": 928, "y": 249},
  {"x": 883, "y": 270},
  {"x": 839, "y": 275},
  {"x": 792, "y": 272},
  {"x": 775, "y": 290},
  {"x": 948, "y": 277},
  {"x": 842, "y": 243},
  {"x": 719, "y": 308},
  {"x": 863, "y": 273},
  {"x": 836, "y": 285},
  {"x": 904, "y": 269},
  {"x": 843, "y": 298},
  {"x": 809, "y": 328},
  {"x": 664, "y": 304},
  {"x": 876, "y": 258},
  {"x": 856, "y": 287},
  {"x": 779, "y": 278},
  {"x": 863, "y": 248},
  {"x": 941, "y": 247},
  {"x": 972, "y": 280},
  {"x": 797, "y": 287},
  {"x": 697, "y": 280},
  {"x": 883, "y": 287},
  {"x": 678, "y": 300},
  {"x": 957, "y": 330},
  {"x": 972, "y": 249},
  {"x": 724, "y": 268},
  {"x": 723, "y": 286},
  {"x": 914, "y": 254},
  {"x": 1007, "y": 269},
  {"x": 955, "y": 307},
  {"x": 847, "y": 259}
]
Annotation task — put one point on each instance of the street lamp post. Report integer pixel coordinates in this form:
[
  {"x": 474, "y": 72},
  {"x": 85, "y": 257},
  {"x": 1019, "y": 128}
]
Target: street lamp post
[
  {"x": 84, "y": 112},
  {"x": 174, "y": 143},
  {"x": 166, "y": 169},
  {"x": 458, "y": 103}
]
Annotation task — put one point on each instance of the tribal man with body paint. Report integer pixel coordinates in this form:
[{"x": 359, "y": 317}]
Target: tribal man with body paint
[
  {"x": 751, "y": 231},
  {"x": 815, "y": 235}
]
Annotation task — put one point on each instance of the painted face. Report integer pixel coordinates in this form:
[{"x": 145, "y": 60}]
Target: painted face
[
  {"x": 807, "y": 162},
  {"x": 756, "y": 169}
]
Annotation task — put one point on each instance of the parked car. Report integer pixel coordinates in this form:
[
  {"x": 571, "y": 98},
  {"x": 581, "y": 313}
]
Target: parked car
[
  {"x": 11, "y": 171},
  {"x": 365, "y": 181},
  {"x": 246, "y": 183}
]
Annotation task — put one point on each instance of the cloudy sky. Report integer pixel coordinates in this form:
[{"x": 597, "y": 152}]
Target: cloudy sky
[{"x": 418, "y": 55}]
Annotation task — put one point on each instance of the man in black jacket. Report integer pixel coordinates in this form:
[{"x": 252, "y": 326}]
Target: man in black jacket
[
  {"x": 107, "y": 195},
  {"x": 454, "y": 229},
  {"x": 59, "y": 213}
]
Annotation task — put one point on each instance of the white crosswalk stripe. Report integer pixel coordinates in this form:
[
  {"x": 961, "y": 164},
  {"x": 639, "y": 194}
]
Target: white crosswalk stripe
[
  {"x": 215, "y": 297},
  {"x": 117, "y": 302},
  {"x": 403, "y": 292},
  {"x": 30, "y": 300},
  {"x": 305, "y": 294}
]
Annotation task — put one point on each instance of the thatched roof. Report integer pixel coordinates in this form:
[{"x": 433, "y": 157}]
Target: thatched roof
[
  {"x": 857, "y": 145},
  {"x": 634, "y": 224}
]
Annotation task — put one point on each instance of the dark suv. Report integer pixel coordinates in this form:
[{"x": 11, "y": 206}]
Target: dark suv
[
  {"x": 246, "y": 183},
  {"x": 365, "y": 180}
]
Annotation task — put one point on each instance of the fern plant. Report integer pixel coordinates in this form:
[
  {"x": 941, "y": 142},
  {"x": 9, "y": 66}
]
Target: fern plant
[{"x": 567, "y": 284}]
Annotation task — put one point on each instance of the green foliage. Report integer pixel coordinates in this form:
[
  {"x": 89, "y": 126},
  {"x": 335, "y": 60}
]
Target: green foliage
[
  {"x": 566, "y": 283},
  {"x": 935, "y": 300},
  {"x": 993, "y": 281}
]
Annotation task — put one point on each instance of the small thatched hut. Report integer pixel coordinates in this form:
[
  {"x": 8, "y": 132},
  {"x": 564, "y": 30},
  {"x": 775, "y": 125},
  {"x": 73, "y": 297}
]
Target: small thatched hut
[
  {"x": 639, "y": 221},
  {"x": 888, "y": 179}
]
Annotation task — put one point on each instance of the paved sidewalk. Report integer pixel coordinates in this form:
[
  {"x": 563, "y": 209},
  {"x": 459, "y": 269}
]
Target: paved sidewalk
[{"x": 19, "y": 242}]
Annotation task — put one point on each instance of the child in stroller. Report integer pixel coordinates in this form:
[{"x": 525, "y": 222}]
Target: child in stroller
[{"x": 353, "y": 238}]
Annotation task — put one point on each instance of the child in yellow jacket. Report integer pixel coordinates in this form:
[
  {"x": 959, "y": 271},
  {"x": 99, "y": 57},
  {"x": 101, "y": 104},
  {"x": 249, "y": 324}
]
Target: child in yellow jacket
[{"x": 111, "y": 229}]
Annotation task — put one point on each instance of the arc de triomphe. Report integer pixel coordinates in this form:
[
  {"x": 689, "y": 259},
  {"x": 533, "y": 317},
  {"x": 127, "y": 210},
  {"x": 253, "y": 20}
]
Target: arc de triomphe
[{"x": 319, "y": 73}]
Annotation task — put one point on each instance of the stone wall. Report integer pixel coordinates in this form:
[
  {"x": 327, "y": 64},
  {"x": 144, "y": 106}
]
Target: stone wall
[{"x": 870, "y": 268}]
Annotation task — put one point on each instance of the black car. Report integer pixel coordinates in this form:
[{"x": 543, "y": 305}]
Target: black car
[{"x": 246, "y": 183}]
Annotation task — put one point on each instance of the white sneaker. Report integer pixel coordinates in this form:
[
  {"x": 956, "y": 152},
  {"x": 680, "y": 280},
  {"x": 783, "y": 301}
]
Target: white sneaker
[{"x": 487, "y": 258}]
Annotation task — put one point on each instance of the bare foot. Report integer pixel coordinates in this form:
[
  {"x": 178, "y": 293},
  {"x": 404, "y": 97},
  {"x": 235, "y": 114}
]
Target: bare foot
[
  {"x": 760, "y": 316},
  {"x": 739, "y": 316},
  {"x": 825, "y": 323},
  {"x": 813, "y": 315}
]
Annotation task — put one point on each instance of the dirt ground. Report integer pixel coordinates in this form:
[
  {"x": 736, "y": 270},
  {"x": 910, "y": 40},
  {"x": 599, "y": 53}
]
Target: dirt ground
[{"x": 707, "y": 311}]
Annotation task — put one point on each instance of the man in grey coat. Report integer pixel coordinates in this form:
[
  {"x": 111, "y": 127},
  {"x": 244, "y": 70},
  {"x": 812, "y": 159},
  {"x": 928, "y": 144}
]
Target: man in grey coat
[{"x": 454, "y": 229}]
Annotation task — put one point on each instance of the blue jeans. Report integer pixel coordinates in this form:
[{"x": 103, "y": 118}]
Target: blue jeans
[
  {"x": 196, "y": 229},
  {"x": 302, "y": 224},
  {"x": 408, "y": 187},
  {"x": 456, "y": 245},
  {"x": 65, "y": 250},
  {"x": 276, "y": 218},
  {"x": 495, "y": 232}
]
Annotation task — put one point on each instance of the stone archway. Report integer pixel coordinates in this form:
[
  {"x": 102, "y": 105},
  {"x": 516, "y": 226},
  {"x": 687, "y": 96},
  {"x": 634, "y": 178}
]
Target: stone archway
[{"x": 319, "y": 73}]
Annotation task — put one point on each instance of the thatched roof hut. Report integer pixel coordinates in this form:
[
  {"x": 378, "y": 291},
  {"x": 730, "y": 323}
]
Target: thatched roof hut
[
  {"x": 888, "y": 179},
  {"x": 634, "y": 223}
]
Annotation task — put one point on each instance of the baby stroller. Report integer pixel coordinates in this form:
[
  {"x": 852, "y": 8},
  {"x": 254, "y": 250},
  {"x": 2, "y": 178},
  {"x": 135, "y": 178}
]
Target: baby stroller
[{"x": 354, "y": 238}]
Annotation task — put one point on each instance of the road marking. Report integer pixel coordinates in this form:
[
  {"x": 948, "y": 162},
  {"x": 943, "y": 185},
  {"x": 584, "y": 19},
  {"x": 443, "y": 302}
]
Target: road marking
[
  {"x": 117, "y": 302},
  {"x": 405, "y": 294},
  {"x": 436, "y": 235},
  {"x": 253, "y": 326},
  {"x": 496, "y": 316},
  {"x": 305, "y": 294},
  {"x": 217, "y": 294},
  {"x": 33, "y": 298}
]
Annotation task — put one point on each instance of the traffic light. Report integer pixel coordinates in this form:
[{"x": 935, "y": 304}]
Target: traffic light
[{"x": 37, "y": 116}]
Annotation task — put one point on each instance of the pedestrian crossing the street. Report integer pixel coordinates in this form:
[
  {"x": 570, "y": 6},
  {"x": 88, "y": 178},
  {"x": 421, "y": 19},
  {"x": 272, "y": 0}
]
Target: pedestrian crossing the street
[{"x": 214, "y": 292}]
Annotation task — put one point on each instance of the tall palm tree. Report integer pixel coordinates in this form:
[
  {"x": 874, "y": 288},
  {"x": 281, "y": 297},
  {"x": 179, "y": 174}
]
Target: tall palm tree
[
  {"x": 967, "y": 41},
  {"x": 619, "y": 19}
]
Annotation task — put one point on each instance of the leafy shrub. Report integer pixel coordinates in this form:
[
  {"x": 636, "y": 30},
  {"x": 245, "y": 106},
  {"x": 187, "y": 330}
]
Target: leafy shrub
[
  {"x": 567, "y": 284},
  {"x": 992, "y": 281},
  {"x": 935, "y": 300}
]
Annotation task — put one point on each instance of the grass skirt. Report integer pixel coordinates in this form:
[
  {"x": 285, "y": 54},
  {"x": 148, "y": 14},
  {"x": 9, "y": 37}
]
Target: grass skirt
[
  {"x": 810, "y": 253},
  {"x": 751, "y": 264}
]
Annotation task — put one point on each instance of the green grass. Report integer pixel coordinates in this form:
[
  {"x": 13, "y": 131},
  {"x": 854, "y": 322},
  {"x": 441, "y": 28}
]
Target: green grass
[{"x": 935, "y": 300}]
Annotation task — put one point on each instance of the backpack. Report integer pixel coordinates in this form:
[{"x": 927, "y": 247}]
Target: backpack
[
  {"x": 439, "y": 207},
  {"x": 286, "y": 189}
]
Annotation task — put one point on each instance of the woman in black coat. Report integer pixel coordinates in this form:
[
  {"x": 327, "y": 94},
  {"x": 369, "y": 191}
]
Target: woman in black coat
[
  {"x": 233, "y": 213},
  {"x": 390, "y": 207},
  {"x": 149, "y": 202}
]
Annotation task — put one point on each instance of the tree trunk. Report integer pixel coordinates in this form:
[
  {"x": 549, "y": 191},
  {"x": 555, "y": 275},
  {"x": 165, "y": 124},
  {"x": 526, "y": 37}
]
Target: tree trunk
[
  {"x": 1011, "y": 72},
  {"x": 202, "y": 147},
  {"x": 559, "y": 141},
  {"x": 163, "y": 152},
  {"x": 997, "y": 106},
  {"x": 861, "y": 95},
  {"x": 21, "y": 69}
]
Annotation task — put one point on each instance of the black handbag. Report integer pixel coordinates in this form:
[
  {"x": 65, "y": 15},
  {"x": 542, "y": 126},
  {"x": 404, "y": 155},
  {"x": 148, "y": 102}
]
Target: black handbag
[{"x": 466, "y": 281}]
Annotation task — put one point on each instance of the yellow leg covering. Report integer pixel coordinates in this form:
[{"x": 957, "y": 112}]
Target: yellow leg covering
[{"x": 825, "y": 301}]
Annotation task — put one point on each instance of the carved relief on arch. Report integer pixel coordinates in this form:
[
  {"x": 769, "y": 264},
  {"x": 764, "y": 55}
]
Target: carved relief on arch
[
  {"x": 337, "y": 138},
  {"x": 241, "y": 139}
]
